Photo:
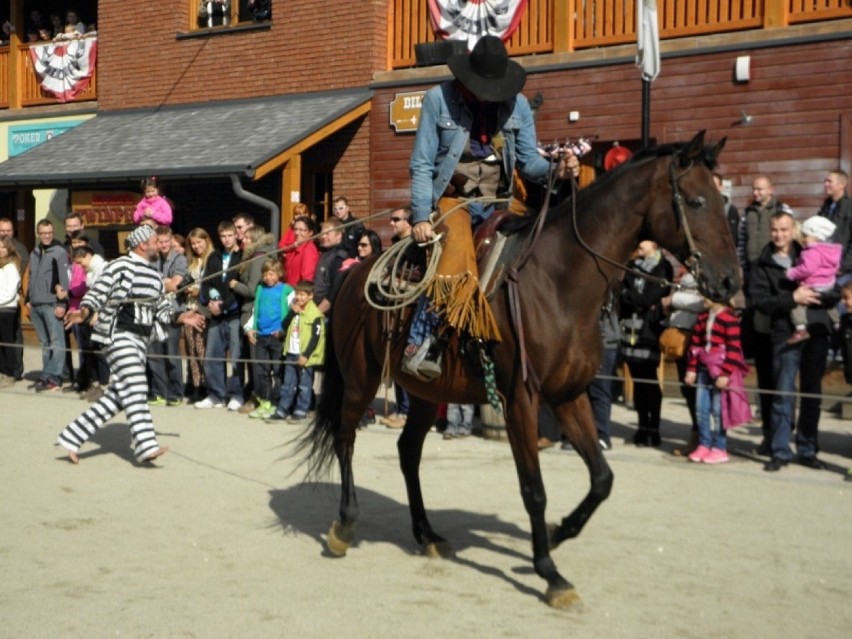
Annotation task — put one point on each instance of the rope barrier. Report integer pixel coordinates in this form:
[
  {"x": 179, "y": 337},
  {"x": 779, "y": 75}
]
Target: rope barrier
[{"x": 613, "y": 378}]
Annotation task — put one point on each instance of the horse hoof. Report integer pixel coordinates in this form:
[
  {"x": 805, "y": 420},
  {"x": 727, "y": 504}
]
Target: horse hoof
[
  {"x": 438, "y": 550},
  {"x": 564, "y": 599},
  {"x": 337, "y": 545}
]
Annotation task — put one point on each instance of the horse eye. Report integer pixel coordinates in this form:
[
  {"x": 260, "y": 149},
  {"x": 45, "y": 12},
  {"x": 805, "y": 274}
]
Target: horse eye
[{"x": 695, "y": 202}]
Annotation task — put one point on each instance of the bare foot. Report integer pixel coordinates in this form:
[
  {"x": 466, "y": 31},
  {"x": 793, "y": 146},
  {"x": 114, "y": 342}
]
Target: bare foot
[
  {"x": 160, "y": 451},
  {"x": 73, "y": 458}
]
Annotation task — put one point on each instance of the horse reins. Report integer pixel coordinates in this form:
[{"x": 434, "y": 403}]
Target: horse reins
[{"x": 680, "y": 214}]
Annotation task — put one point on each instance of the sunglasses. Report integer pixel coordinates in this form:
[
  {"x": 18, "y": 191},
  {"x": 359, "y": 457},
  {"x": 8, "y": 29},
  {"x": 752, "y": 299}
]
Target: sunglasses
[
  {"x": 363, "y": 245},
  {"x": 398, "y": 219}
]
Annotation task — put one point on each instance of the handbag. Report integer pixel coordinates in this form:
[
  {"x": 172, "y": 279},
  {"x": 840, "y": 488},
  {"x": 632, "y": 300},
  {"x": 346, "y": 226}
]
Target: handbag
[{"x": 673, "y": 343}]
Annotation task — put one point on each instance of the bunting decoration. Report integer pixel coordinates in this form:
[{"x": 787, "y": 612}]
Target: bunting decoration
[
  {"x": 469, "y": 20},
  {"x": 65, "y": 68}
]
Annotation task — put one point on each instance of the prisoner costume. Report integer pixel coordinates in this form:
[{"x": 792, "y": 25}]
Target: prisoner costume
[{"x": 126, "y": 327}]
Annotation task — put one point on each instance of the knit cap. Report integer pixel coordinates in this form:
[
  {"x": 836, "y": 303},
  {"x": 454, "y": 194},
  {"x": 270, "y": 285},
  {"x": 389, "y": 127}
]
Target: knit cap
[
  {"x": 818, "y": 227},
  {"x": 139, "y": 235}
]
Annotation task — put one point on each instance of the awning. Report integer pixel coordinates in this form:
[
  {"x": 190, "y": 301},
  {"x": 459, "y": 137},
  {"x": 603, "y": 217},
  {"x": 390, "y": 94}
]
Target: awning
[{"x": 248, "y": 138}]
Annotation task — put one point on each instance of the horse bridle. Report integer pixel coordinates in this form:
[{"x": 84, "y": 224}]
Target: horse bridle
[{"x": 692, "y": 262}]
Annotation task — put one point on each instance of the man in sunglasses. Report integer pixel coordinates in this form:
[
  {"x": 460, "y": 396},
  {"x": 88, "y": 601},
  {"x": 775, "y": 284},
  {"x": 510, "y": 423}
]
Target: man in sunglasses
[{"x": 352, "y": 228}]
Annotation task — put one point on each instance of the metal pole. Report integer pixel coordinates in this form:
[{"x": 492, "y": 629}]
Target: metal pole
[{"x": 646, "y": 112}]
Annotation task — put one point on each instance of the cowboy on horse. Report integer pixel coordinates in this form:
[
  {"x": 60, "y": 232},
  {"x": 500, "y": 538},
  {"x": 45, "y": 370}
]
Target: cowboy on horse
[{"x": 476, "y": 133}]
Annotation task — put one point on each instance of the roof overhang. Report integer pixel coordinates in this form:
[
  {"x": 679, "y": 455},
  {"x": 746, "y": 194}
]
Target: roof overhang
[{"x": 248, "y": 138}]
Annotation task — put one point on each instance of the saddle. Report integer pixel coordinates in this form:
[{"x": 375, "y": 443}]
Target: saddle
[{"x": 498, "y": 246}]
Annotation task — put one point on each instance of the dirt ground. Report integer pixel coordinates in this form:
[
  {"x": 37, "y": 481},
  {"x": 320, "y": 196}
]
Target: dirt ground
[{"x": 222, "y": 539}]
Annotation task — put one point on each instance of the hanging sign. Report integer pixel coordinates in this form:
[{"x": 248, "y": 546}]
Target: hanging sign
[{"x": 405, "y": 111}]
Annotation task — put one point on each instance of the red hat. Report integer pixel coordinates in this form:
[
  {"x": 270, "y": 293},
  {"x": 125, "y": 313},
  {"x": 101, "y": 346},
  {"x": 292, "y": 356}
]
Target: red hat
[{"x": 615, "y": 156}]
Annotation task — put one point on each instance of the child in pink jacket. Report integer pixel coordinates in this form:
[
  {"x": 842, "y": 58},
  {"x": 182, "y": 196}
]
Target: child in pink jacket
[
  {"x": 153, "y": 209},
  {"x": 817, "y": 269}
]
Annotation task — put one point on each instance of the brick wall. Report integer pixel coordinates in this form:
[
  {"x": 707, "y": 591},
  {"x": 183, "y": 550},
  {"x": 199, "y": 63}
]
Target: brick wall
[{"x": 309, "y": 47}]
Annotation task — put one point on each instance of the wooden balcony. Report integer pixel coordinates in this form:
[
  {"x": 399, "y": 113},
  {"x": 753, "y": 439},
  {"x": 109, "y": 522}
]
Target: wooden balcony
[
  {"x": 4, "y": 77},
  {"x": 27, "y": 91},
  {"x": 556, "y": 26}
]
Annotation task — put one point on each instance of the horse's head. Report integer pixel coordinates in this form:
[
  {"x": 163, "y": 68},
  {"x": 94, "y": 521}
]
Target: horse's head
[{"x": 690, "y": 221}]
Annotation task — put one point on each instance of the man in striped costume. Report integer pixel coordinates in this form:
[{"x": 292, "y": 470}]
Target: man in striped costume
[{"x": 130, "y": 309}]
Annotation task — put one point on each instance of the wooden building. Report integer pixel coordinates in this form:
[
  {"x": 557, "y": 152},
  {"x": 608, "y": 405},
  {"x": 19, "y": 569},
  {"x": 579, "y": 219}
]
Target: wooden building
[{"x": 257, "y": 114}]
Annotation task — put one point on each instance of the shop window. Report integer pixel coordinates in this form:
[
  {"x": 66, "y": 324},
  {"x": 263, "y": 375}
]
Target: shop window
[{"x": 215, "y": 14}]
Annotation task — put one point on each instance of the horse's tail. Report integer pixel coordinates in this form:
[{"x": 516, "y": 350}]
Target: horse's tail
[{"x": 318, "y": 441}]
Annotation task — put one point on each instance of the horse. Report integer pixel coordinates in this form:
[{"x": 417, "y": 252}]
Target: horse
[{"x": 664, "y": 193}]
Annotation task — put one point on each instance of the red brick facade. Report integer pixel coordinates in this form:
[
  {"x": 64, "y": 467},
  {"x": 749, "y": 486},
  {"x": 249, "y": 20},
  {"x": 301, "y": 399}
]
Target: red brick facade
[{"x": 308, "y": 47}]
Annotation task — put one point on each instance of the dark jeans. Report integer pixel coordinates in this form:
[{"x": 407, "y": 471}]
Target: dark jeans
[
  {"x": 763, "y": 349},
  {"x": 647, "y": 396},
  {"x": 298, "y": 383},
  {"x": 267, "y": 367},
  {"x": 785, "y": 366},
  {"x": 600, "y": 392},
  {"x": 167, "y": 366},
  {"x": 689, "y": 393},
  {"x": 811, "y": 371}
]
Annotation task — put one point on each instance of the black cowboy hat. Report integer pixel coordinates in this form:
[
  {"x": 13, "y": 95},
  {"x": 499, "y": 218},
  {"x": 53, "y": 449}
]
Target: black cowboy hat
[{"x": 488, "y": 72}]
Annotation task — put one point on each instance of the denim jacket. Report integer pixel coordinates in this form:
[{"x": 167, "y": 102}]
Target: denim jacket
[{"x": 442, "y": 134}]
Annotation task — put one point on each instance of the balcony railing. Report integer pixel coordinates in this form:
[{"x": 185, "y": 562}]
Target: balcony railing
[
  {"x": 552, "y": 26},
  {"x": 4, "y": 77},
  {"x": 28, "y": 91}
]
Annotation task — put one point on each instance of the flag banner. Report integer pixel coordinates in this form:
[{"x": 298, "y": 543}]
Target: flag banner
[
  {"x": 647, "y": 39},
  {"x": 65, "y": 68},
  {"x": 469, "y": 20}
]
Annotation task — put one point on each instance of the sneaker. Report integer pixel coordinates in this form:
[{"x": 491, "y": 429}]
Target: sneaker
[
  {"x": 94, "y": 394},
  {"x": 263, "y": 411},
  {"x": 699, "y": 454},
  {"x": 295, "y": 418},
  {"x": 716, "y": 456},
  {"x": 174, "y": 402},
  {"x": 157, "y": 401},
  {"x": 605, "y": 443},
  {"x": 249, "y": 407},
  {"x": 566, "y": 445},
  {"x": 42, "y": 386},
  {"x": 800, "y": 335},
  {"x": 209, "y": 402},
  {"x": 234, "y": 404},
  {"x": 277, "y": 417},
  {"x": 394, "y": 420}
]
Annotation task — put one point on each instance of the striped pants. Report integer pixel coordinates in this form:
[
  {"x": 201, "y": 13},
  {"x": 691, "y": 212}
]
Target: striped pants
[{"x": 128, "y": 390}]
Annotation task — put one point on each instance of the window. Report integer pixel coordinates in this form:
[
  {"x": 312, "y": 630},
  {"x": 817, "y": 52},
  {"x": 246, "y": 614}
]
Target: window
[{"x": 210, "y": 14}]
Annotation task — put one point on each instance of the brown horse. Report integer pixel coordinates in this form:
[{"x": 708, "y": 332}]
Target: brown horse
[{"x": 665, "y": 194}]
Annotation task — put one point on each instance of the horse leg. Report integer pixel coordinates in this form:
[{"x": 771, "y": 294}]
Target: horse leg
[
  {"x": 578, "y": 424},
  {"x": 421, "y": 416},
  {"x": 356, "y": 398},
  {"x": 522, "y": 421}
]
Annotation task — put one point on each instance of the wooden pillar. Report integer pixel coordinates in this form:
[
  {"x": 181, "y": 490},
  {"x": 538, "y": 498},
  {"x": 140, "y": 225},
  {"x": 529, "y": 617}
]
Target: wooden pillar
[
  {"x": 775, "y": 15},
  {"x": 16, "y": 18},
  {"x": 291, "y": 181},
  {"x": 563, "y": 25}
]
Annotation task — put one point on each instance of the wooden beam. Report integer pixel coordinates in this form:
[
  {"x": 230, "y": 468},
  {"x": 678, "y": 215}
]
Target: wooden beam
[
  {"x": 317, "y": 136},
  {"x": 291, "y": 185}
]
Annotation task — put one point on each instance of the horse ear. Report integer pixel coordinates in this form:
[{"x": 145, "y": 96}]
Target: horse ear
[
  {"x": 693, "y": 149},
  {"x": 718, "y": 148}
]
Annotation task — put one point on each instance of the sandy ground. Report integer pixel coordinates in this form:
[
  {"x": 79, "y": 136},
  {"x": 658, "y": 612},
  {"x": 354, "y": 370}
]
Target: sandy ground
[{"x": 222, "y": 539}]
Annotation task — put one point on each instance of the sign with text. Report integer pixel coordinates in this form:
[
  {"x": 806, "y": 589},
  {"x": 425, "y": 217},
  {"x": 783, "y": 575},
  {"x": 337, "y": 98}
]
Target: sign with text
[
  {"x": 26, "y": 136},
  {"x": 405, "y": 111},
  {"x": 105, "y": 208}
]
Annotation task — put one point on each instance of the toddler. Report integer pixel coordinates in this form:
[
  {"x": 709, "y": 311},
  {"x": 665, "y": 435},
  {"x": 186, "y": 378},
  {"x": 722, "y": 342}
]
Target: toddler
[
  {"x": 816, "y": 268},
  {"x": 304, "y": 349},
  {"x": 266, "y": 334},
  {"x": 153, "y": 209},
  {"x": 715, "y": 362}
]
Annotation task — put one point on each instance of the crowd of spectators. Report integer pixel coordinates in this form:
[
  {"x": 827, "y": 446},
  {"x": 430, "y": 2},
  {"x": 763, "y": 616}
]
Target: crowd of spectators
[{"x": 261, "y": 296}]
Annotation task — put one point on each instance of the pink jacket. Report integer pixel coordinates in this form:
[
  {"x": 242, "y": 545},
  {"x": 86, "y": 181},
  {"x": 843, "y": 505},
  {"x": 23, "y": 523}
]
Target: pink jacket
[
  {"x": 817, "y": 266},
  {"x": 157, "y": 208},
  {"x": 736, "y": 409}
]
